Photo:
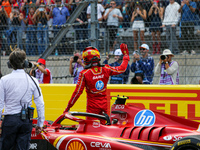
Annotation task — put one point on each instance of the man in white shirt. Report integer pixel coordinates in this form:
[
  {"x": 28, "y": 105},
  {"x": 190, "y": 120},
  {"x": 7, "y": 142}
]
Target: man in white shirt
[
  {"x": 100, "y": 11},
  {"x": 170, "y": 21},
  {"x": 16, "y": 91},
  {"x": 113, "y": 16}
]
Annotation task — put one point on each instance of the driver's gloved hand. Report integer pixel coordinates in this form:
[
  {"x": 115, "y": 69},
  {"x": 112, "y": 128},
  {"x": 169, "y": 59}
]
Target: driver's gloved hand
[
  {"x": 125, "y": 52},
  {"x": 124, "y": 49}
]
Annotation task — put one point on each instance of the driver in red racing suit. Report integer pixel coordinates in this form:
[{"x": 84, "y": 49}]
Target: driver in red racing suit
[{"x": 95, "y": 78}]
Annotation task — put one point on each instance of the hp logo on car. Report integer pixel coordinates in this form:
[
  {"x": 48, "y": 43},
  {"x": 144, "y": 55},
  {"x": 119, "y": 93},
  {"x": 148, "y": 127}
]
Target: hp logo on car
[{"x": 144, "y": 118}]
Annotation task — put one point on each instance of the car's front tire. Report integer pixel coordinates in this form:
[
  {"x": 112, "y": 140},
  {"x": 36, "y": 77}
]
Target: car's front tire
[{"x": 187, "y": 143}]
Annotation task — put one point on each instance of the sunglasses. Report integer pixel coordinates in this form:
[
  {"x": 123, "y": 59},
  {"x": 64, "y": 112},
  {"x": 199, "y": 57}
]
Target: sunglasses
[
  {"x": 112, "y": 3},
  {"x": 143, "y": 49}
]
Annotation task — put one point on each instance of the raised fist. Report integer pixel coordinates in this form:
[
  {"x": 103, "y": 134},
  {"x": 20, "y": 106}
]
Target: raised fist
[{"x": 124, "y": 49}]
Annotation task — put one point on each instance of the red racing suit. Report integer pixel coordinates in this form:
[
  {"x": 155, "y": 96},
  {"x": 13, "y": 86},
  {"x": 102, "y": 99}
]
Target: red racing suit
[{"x": 95, "y": 81}]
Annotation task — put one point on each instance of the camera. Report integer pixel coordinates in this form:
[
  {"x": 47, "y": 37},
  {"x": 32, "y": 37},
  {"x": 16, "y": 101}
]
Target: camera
[
  {"x": 136, "y": 52},
  {"x": 75, "y": 58},
  {"x": 30, "y": 65},
  {"x": 26, "y": 64},
  {"x": 41, "y": 9},
  {"x": 163, "y": 57}
]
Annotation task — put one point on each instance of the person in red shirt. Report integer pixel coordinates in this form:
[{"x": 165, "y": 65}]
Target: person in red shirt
[
  {"x": 7, "y": 6},
  {"x": 42, "y": 73},
  {"x": 94, "y": 79},
  {"x": 25, "y": 5}
]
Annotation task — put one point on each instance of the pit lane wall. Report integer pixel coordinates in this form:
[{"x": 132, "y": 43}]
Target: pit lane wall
[{"x": 177, "y": 100}]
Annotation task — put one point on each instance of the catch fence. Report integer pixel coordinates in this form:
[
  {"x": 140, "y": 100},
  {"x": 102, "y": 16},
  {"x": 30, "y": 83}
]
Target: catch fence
[{"x": 50, "y": 41}]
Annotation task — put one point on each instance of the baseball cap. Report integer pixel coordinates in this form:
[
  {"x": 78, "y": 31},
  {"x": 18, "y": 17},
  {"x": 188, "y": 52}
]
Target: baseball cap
[
  {"x": 144, "y": 46},
  {"x": 167, "y": 52},
  {"x": 118, "y": 52},
  {"x": 42, "y": 61},
  {"x": 15, "y": 5}
]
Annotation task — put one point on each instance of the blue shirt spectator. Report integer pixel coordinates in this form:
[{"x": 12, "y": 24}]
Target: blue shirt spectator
[
  {"x": 121, "y": 78},
  {"x": 60, "y": 15},
  {"x": 188, "y": 20},
  {"x": 187, "y": 14},
  {"x": 143, "y": 65}
]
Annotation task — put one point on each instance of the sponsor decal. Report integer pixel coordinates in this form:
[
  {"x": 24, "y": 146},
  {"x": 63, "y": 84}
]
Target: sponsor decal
[
  {"x": 172, "y": 100},
  {"x": 96, "y": 124},
  {"x": 123, "y": 116},
  {"x": 144, "y": 118},
  {"x": 76, "y": 144},
  {"x": 101, "y": 145},
  {"x": 184, "y": 142},
  {"x": 99, "y": 85},
  {"x": 94, "y": 52},
  {"x": 98, "y": 77},
  {"x": 85, "y": 54},
  {"x": 33, "y": 135},
  {"x": 167, "y": 138},
  {"x": 198, "y": 144},
  {"x": 33, "y": 146},
  {"x": 96, "y": 69},
  {"x": 124, "y": 122},
  {"x": 119, "y": 106},
  {"x": 176, "y": 138}
]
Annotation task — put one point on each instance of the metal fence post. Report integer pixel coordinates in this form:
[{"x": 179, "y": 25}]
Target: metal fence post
[
  {"x": 75, "y": 40},
  {"x": 139, "y": 40},
  {"x": 171, "y": 39},
  {"x": 17, "y": 40},
  {"x": 105, "y": 41},
  {"x": 93, "y": 23}
]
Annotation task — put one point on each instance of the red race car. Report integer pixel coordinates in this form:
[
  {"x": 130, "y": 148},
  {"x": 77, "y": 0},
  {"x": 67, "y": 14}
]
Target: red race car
[{"x": 127, "y": 128}]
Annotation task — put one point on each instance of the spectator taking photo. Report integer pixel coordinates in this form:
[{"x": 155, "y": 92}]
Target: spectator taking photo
[{"x": 167, "y": 68}]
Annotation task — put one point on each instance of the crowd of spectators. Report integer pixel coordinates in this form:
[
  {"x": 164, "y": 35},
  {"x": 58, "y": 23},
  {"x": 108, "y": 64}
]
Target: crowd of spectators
[{"x": 37, "y": 18}]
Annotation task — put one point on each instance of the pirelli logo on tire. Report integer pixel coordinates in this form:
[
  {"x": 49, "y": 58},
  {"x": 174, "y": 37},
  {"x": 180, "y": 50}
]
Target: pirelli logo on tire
[
  {"x": 184, "y": 142},
  {"x": 172, "y": 148}
]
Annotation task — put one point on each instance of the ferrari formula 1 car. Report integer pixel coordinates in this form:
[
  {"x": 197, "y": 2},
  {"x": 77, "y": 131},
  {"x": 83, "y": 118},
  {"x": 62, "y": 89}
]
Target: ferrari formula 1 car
[{"x": 127, "y": 128}]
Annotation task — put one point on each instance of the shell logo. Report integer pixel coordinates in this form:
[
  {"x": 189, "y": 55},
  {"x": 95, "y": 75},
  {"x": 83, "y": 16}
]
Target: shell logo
[{"x": 76, "y": 144}]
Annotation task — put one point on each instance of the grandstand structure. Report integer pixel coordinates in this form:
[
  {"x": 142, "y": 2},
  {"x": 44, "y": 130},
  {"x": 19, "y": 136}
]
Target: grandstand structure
[{"x": 16, "y": 36}]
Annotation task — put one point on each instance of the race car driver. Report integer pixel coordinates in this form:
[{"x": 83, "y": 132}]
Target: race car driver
[{"x": 95, "y": 78}]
